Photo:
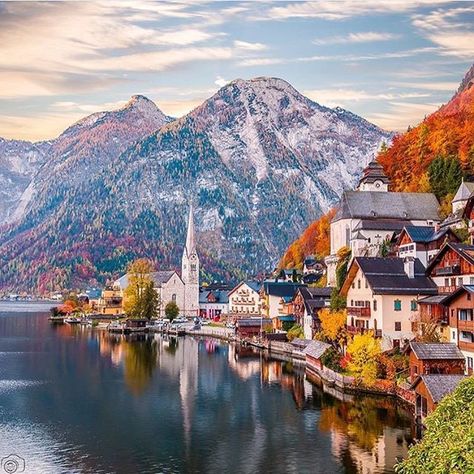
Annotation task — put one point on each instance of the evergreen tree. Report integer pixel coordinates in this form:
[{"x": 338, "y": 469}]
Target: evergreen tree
[
  {"x": 445, "y": 175},
  {"x": 151, "y": 302}
]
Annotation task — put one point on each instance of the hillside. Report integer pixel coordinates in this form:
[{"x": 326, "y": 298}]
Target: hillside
[{"x": 259, "y": 160}]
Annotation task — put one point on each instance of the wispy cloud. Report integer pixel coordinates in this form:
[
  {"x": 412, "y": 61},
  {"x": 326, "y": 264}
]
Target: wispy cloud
[
  {"x": 245, "y": 46},
  {"x": 429, "y": 86},
  {"x": 261, "y": 62},
  {"x": 362, "y": 37}
]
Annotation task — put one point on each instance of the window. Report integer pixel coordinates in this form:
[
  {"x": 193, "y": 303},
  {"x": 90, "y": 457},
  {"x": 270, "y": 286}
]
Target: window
[
  {"x": 470, "y": 363},
  {"x": 375, "y": 305},
  {"x": 353, "y": 285},
  {"x": 413, "y": 305},
  {"x": 446, "y": 282},
  {"x": 453, "y": 281},
  {"x": 397, "y": 305},
  {"x": 459, "y": 281},
  {"x": 453, "y": 337},
  {"x": 468, "y": 296},
  {"x": 366, "y": 283},
  {"x": 465, "y": 314},
  {"x": 358, "y": 284},
  {"x": 398, "y": 325},
  {"x": 471, "y": 280},
  {"x": 173, "y": 297}
]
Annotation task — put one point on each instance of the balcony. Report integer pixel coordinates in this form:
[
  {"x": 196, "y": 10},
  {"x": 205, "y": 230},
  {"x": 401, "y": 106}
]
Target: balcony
[
  {"x": 454, "y": 269},
  {"x": 447, "y": 289},
  {"x": 466, "y": 346},
  {"x": 359, "y": 311},
  {"x": 360, "y": 330},
  {"x": 464, "y": 325}
]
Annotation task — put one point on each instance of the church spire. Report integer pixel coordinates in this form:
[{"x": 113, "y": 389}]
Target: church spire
[{"x": 190, "y": 240}]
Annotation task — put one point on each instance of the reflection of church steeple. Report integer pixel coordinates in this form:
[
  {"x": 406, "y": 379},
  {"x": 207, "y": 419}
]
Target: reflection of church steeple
[{"x": 374, "y": 178}]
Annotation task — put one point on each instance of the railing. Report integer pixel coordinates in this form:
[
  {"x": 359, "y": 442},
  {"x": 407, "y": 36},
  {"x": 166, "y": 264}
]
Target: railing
[
  {"x": 360, "y": 330},
  {"x": 447, "y": 289},
  {"x": 466, "y": 346},
  {"x": 454, "y": 269},
  {"x": 464, "y": 325},
  {"x": 359, "y": 311}
]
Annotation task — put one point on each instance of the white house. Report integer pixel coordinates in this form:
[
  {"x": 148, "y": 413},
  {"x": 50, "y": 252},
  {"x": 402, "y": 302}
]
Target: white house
[{"x": 244, "y": 299}]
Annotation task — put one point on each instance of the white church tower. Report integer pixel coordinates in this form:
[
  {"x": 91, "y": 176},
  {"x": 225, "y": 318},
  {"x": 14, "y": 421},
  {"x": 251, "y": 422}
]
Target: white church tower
[{"x": 190, "y": 271}]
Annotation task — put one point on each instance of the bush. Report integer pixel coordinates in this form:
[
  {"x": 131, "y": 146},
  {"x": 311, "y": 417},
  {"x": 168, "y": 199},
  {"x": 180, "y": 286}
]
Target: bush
[
  {"x": 332, "y": 360},
  {"x": 295, "y": 332}
]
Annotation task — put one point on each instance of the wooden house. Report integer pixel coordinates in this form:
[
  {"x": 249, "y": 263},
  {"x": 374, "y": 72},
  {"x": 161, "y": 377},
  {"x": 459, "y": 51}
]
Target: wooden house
[
  {"x": 313, "y": 353},
  {"x": 250, "y": 327},
  {"x": 434, "y": 358}
]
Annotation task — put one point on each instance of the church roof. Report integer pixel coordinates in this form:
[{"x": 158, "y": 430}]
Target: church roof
[
  {"x": 374, "y": 172},
  {"x": 159, "y": 278},
  {"x": 464, "y": 191},
  {"x": 387, "y": 205}
]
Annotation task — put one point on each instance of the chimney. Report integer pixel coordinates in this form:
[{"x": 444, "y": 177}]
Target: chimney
[
  {"x": 409, "y": 266},
  {"x": 436, "y": 227}
]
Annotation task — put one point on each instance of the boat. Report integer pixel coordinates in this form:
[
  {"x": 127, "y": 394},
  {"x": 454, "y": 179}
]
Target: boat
[
  {"x": 72, "y": 320},
  {"x": 116, "y": 327},
  {"x": 56, "y": 319}
]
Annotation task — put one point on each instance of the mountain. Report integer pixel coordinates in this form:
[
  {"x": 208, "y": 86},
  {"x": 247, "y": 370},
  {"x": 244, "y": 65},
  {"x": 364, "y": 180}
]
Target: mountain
[
  {"x": 447, "y": 133},
  {"x": 19, "y": 162},
  {"x": 259, "y": 160}
]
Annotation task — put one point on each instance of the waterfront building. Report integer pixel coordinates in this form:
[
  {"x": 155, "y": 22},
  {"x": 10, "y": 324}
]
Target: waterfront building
[
  {"x": 250, "y": 327},
  {"x": 244, "y": 300},
  {"x": 313, "y": 353},
  {"x": 452, "y": 267},
  {"x": 434, "y": 358},
  {"x": 111, "y": 301},
  {"x": 423, "y": 242},
  {"x": 307, "y": 304},
  {"x": 213, "y": 303},
  {"x": 430, "y": 390},
  {"x": 371, "y": 217},
  {"x": 382, "y": 296}
]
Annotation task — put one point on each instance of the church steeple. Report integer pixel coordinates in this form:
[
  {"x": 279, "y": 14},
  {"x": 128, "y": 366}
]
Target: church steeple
[
  {"x": 190, "y": 238},
  {"x": 190, "y": 269},
  {"x": 374, "y": 178}
]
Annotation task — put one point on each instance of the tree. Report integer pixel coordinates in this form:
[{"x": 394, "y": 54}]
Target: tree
[
  {"x": 171, "y": 310},
  {"x": 447, "y": 444},
  {"x": 333, "y": 327},
  {"x": 139, "y": 279},
  {"x": 151, "y": 302},
  {"x": 445, "y": 175},
  {"x": 295, "y": 332},
  {"x": 363, "y": 352}
]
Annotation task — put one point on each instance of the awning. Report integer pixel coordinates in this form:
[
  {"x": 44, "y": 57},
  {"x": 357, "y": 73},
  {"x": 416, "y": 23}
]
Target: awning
[{"x": 287, "y": 318}]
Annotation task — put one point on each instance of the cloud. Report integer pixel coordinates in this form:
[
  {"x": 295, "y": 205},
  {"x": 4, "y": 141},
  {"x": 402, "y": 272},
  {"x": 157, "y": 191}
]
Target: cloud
[
  {"x": 220, "y": 81},
  {"x": 441, "y": 86},
  {"x": 261, "y": 62},
  {"x": 70, "y": 106},
  {"x": 362, "y": 37},
  {"x": 400, "y": 115},
  {"x": 341, "y": 9},
  {"x": 451, "y": 29},
  {"x": 344, "y": 96},
  {"x": 245, "y": 46}
]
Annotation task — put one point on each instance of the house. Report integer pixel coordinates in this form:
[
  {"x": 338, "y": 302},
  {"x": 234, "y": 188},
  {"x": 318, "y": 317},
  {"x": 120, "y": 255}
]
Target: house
[
  {"x": 313, "y": 353},
  {"x": 382, "y": 296},
  {"x": 434, "y": 358},
  {"x": 460, "y": 308},
  {"x": 169, "y": 286},
  {"x": 432, "y": 310},
  {"x": 368, "y": 218},
  {"x": 452, "y": 267},
  {"x": 461, "y": 206},
  {"x": 213, "y": 303},
  {"x": 273, "y": 297},
  {"x": 430, "y": 390},
  {"x": 244, "y": 300},
  {"x": 251, "y": 327},
  {"x": 423, "y": 242},
  {"x": 306, "y": 306},
  {"x": 111, "y": 301},
  {"x": 311, "y": 264}
]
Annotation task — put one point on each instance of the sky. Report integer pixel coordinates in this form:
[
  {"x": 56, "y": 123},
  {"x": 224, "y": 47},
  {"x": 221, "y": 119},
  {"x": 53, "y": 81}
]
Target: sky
[{"x": 389, "y": 61}]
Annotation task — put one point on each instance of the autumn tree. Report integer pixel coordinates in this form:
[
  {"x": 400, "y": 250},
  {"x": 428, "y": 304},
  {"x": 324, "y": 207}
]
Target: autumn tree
[
  {"x": 333, "y": 327},
  {"x": 140, "y": 297},
  {"x": 363, "y": 352},
  {"x": 295, "y": 332}
]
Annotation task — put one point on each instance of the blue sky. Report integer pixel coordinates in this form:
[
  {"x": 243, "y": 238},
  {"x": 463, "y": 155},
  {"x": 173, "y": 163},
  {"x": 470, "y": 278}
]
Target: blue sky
[{"x": 391, "y": 62}]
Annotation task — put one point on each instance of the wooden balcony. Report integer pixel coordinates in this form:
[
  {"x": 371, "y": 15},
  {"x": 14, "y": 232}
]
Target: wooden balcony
[
  {"x": 359, "y": 311},
  {"x": 447, "y": 289},
  {"x": 466, "y": 346},
  {"x": 360, "y": 330},
  {"x": 465, "y": 325},
  {"x": 453, "y": 269}
]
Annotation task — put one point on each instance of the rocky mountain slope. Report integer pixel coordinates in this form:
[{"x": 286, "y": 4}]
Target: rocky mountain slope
[{"x": 258, "y": 159}]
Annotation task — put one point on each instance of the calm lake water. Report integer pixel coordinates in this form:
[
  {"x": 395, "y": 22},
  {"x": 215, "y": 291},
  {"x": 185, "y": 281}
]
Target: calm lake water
[{"x": 79, "y": 400}]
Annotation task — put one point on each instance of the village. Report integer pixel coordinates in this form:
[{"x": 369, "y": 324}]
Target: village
[{"x": 388, "y": 312}]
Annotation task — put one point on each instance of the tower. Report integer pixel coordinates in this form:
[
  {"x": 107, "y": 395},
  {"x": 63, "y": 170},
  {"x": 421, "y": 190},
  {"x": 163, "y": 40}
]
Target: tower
[
  {"x": 190, "y": 271},
  {"x": 374, "y": 178}
]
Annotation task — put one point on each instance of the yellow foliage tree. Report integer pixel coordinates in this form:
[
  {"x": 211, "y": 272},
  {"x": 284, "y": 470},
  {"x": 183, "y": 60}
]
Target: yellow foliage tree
[
  {"x": 138, "y": 280},
  {"x": 333, "y": 326},
  {"x": 363, "y": 352}
]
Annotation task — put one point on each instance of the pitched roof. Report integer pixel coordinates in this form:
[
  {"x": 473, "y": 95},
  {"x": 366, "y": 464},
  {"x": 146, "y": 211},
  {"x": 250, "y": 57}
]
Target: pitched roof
[
  {"x": 222, "y": 296},
  {"x": 159, "y": 278},
  {"x": 387, "y": 205},
  {"x": 386, "y": 275},
  {"x": 253, "y": 321},
  {"x": 316, "y": 349},
  {"x": 464, "y": 191},
  {"x": 435, "y": 299},
  {"x": 422, "y": 234},
  {"x": 372, "y": 172},
  {"x": 439, "y": 385},
  {"x": 465, "y": 251},
  {"x": 253, "y": 285},
  {"x": 448, "y": 298},
  {"x": 380, "y": 224},
  {"x": 281, "y": 288},
  {"x": 439, "y": 350}
]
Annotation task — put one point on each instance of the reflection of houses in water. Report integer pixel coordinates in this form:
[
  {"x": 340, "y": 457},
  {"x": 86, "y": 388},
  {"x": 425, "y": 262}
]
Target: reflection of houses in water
[{"x": 243, "y": 361}]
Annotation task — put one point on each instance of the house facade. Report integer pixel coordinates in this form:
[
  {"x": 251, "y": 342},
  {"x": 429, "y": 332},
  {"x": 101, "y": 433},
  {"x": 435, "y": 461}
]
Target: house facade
[
  {"x": 307, "y": 304},
  {"x": 244, "y": 300},
  {"x": 213, "y": 303},
  {"x": 274, "y": 296},
  {"x": 382, "y": 295}
]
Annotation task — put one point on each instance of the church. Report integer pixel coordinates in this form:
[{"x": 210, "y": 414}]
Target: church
[{"x": 170, "y": 286}]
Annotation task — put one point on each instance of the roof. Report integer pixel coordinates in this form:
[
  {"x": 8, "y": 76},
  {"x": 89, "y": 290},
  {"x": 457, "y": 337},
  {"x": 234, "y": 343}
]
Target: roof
[
  {"x": 287, "y": 318},
  {"x": 159, "y": 278},
  {"x": 425, "y": 234},
  {"x": 387, "y": 205},
  {"x": 386, "y": 275},
  {"x": 465, "y": 251},
  {"x": 222, "y": 296},
  {"x": 253, "y": 285},
  {"x": 464, "y": 191},
  {"x": 316, "y": 349},
  {"x": 437, "y": 350},
  {"x": 435, "y": 299},
  {"x": 439, "y": 385},
  {"x": 298, "y": 342},
  {"x": 281, "y": 288},
  {"x": 253, "y": 321},
  {"x": 380, "y": 224}
]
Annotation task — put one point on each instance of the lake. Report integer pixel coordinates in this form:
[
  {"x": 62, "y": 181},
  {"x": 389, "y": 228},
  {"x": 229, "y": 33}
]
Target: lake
[{"x": 78, "y": 400}]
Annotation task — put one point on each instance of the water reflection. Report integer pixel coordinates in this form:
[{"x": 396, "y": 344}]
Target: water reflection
[{"x": 151, "y": 403}]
